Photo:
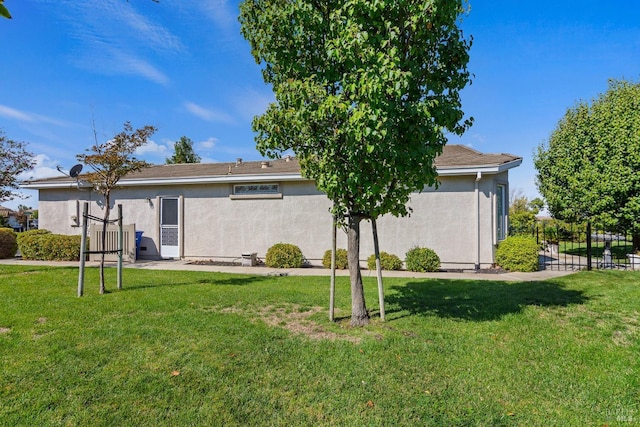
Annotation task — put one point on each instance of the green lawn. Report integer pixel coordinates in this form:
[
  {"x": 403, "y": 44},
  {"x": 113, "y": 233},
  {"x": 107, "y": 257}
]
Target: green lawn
[
  {"x": 619, "y": 250},
  {"x": 193, "y": 348}
]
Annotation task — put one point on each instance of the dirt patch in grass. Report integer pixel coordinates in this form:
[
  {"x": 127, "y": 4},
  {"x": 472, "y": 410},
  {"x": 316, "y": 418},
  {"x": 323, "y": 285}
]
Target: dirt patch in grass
[
  {"x": 293, "y": 318},
  {"x": 4, "y": 330}
]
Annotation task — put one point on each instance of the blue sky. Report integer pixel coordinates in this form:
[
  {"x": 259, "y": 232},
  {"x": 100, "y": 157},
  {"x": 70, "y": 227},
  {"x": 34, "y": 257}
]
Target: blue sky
[{"x": 182, "y": 66}]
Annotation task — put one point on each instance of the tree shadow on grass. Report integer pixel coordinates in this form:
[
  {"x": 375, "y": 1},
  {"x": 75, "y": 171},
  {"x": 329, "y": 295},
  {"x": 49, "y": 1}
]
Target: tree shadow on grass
[
  {"x": 214, "y": 281},
  {"x": 476, "y": 300}
]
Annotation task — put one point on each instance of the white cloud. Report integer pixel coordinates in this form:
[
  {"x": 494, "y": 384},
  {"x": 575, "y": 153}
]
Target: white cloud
[
  {"x": 113, "y": 38},
  {"x": 152, "y": 148},
  {"x": 118, "y": 24},
  {"x": 24, "y": 116},
  {"x": 220, "y": 12},
  {"x": 116, "y": 61},
  {"x": 251, "y": 103},
  {"x": 208, "y": 144},
  {"x": 44, "y": 168},
  {"x": 154, "y": 35},
  {"x": 208, "y": 114},
  {"x": 129, "y": 64}
]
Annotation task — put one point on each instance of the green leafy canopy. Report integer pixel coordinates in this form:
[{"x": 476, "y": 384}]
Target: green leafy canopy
[
  {"x": 590, "y": 167},
  {"x": 365, "y": 93}
]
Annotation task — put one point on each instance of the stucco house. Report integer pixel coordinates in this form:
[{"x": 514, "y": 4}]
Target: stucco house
[{"x": 221, "y": 210}]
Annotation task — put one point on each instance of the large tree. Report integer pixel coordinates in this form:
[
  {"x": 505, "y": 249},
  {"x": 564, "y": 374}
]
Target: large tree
[
  {"x": 183, "y": 152},
  {"x": 111, "y": 161},
  {"x": 3, "y": 10},
  {"x": 589, "y": 170},
  {"x": 365, "y": 92},
  {"x": 14, "y": 160}
]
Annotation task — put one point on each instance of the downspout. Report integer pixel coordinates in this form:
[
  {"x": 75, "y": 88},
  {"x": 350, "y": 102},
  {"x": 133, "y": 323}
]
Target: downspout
[{"x": 477, "y": 191}]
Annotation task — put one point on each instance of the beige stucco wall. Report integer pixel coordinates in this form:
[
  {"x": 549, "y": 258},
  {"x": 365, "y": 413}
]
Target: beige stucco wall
[{"x": 215, "y": 226}]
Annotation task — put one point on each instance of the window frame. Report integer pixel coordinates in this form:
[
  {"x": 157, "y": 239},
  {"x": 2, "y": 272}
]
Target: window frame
[
  {"x": 261, "y": 191},
  {"x": 502, "y": 212}
]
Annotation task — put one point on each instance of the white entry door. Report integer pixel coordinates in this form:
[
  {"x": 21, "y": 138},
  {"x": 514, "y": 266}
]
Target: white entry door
[{"x": 169, "y": 228}]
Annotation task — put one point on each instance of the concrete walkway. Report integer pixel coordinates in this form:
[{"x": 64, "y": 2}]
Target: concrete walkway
[{"x": 313, "y": 271}]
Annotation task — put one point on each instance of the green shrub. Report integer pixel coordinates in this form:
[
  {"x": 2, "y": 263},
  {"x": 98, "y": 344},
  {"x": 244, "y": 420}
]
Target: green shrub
[
  {"x": 422, "y": 260},
  {"x": 342, "y": 261},
  {"x": 518, "y": 253},
  {"x": 284, "y": 255},
  {"x": 43, "y": 246},
  {"x": 387, "y": 262},
  {"x": 8, "y": 243},
  {"x": 28, "y": 242}
]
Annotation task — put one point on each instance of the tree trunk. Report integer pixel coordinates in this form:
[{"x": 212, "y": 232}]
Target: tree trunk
[
  {"x": 359, "y": 314},
  {"x": 636, "y": 242}
]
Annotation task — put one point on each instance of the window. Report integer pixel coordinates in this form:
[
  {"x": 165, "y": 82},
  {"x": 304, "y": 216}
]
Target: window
[
  {"x": 501, "y": 212},
  {"x": 256, "y": 191}
]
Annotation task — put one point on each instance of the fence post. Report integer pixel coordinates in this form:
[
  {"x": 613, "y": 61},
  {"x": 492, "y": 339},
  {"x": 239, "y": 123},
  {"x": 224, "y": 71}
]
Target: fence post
[
  {"x": 120, "y": 247},
  {"x": 589, "y": 251},
  {"x": 83, "y": 244}
]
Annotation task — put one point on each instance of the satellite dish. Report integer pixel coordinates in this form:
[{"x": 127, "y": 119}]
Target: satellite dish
[{"x": 75, "y": 171}]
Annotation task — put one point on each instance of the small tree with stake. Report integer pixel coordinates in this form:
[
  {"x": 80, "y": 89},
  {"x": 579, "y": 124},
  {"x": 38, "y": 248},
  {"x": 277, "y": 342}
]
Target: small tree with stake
[
  {"x": 110, "y": 162},
  {"x": 365, "y": 91}
]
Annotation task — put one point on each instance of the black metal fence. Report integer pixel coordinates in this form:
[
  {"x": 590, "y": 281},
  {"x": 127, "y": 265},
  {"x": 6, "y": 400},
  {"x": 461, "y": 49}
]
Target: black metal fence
[{"x": 584, "y": 247}]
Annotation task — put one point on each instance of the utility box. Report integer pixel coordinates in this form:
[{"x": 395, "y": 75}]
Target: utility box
[{"x": 249, "y": 259}]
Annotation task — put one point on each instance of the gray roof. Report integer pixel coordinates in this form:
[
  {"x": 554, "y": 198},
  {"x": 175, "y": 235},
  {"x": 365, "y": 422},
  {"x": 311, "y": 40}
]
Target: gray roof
[
  {"x": 453, "y": 157},
  {"x": 459, "y": 156}
]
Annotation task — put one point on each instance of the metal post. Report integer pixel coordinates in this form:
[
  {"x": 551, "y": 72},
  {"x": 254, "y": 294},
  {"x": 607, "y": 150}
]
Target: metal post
[
  {"x": 332, "y": 290},
  {"x": 83, "y": 245},
  {"x": 589, "y": 252},
  {"x": 120, "y": 246},
  {"x": 378, "y": 268}
]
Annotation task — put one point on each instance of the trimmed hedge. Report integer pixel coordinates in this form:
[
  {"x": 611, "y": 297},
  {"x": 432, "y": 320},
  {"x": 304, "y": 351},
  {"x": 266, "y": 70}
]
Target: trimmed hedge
[
  {"x": 342, "y": 261},
  {"x": 387, "y": 261},
  {"x": 518, "y": 253},
  {"x": 422, "y": 260},
  {"x": 8, "y": 243},
  {"x": 284, "y": 255},
  {"x": 41, "y": 245}
]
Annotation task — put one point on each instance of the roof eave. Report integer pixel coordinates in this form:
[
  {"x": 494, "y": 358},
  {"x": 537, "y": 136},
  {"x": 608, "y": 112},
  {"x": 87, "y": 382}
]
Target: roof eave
[
  {"x": 133, "y": 182},
  {"x": 473, "y": 170},
  {"x": 234, "y": 179}
]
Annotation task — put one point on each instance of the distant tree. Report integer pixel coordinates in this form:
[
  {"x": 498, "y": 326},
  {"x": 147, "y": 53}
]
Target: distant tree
[
  {"x": 23, "y": 215},
  {"x": 590, "y": 168},
  {"x": 183, "y": 152},
  {"x": 110, "y": 162},
  {"x": 365, "y": 94},
  {"x": 14, "y": 159},
  {"x": 522, "y": 213}
]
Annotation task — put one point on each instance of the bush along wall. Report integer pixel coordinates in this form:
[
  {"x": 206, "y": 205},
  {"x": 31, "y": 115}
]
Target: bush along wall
[
  {"x": 8, "y": 243},
  {"x": 342, "y": 261},
  {"x": 41, "y": 245},
  {"x": 422, "y": 260},
  {"x": 387, "y": 261},
  {"x": 518, "y": 253},
  {"x": 284, "y": 255}
]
